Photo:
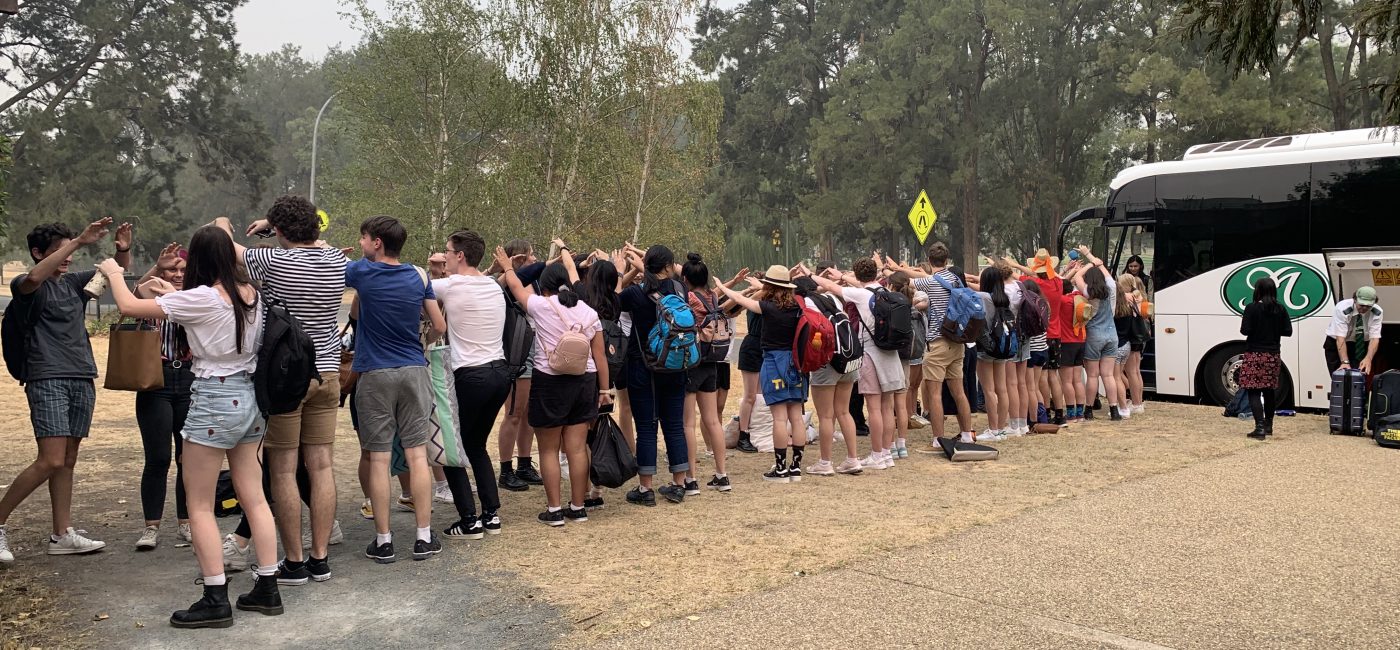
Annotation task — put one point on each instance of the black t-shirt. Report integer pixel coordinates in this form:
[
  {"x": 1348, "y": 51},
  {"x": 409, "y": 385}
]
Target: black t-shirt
[
  {"x": 755, "y": 335},
  {"x": 779, "y": 325}
]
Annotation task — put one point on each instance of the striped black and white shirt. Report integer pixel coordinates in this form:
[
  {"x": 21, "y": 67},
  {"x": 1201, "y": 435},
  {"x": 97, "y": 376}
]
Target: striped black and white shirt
[
  {"x": 311, "y": 281},
  {"x": 937, "y": 300}
]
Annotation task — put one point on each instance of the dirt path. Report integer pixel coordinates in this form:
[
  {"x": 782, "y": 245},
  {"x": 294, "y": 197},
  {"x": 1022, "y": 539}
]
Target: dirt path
[{"x": 1283, "y": 545}]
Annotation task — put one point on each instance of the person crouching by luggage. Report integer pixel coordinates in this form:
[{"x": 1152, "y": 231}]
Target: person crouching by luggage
[
  {"x": 222, "y": 318},
  {"x": 1263, "y": 324},
  {"x": 570, "y": 381},
  {"x": 1355, "y": 332},
  {"x": 784, "y": 387}
]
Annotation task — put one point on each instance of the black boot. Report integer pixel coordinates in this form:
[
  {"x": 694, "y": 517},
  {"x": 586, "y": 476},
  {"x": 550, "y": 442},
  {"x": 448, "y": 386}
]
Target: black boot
[
  {"x": 210, "y": 611},
  {"x": 1259, "y": 431},
  {"x": 526, "y": 472},
  {"x": 1059, "y": 419},
  {"x": 1113, "y": 414},
  {"x": 745, "y": 445},
  {"x": 263, "y": 598},
  {"x": 1269, "y": 425}
]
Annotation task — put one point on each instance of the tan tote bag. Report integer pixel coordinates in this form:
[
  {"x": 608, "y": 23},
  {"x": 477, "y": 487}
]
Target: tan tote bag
[{"x": 133, "y": 358}]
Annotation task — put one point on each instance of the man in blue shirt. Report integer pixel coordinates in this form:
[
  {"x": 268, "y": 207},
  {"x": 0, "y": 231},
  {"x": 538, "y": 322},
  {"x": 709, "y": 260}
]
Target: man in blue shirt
[{"x": 394, "y": 393}]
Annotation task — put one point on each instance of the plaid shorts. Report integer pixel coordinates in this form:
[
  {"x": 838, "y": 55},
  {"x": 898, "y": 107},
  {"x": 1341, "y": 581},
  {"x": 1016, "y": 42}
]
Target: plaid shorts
[{"x": 61, "y": 408}]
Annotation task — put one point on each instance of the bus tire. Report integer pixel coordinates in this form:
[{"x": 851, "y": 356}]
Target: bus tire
[{"x": 1221, "y": 370}]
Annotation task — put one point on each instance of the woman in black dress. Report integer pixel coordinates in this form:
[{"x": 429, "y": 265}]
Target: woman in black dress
[{"x": 1263, "y": 324}]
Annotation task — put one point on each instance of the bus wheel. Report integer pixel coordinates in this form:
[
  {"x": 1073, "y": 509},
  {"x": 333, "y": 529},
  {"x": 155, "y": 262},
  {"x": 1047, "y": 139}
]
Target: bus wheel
[{"x": 1220, "y": 373}]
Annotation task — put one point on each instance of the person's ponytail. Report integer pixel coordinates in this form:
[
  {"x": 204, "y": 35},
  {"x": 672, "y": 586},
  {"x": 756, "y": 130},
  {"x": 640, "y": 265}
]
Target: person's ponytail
[{"x": 567, "y": 296}]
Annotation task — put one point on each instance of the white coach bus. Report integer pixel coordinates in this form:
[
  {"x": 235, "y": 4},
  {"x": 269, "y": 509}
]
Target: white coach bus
[{"x": 1228, "y": 213}]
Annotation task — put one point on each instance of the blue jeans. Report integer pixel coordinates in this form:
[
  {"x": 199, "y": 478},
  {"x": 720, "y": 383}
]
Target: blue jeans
[{"x": 657, "y": 397}]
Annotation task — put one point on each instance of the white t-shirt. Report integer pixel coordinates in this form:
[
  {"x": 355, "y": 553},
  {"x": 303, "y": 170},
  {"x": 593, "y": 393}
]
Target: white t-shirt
[
  {"x": 1013, "y": 293},
  {"x": 861, "y": 297},
  {"x": 475, "y": 309},
  {"x": 210, "y": 326},
  {"x": 552, "y": 320}
]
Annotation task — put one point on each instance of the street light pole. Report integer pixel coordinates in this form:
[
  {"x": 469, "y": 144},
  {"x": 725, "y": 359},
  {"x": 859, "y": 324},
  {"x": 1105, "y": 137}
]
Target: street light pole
[{"x": 315, "y": 134}]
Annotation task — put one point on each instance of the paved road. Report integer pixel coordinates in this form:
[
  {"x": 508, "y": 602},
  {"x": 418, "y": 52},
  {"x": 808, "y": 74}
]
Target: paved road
[
  {"x": 443, "y": 602},
  {"x": 1287, "y": 545}
]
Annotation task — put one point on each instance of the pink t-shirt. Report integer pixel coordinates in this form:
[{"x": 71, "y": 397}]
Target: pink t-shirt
[{"x": 552, "y": 319}]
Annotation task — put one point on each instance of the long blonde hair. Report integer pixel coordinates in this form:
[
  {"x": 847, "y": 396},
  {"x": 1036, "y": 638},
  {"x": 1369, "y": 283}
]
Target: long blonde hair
[{"x": 1127, "y": 285}]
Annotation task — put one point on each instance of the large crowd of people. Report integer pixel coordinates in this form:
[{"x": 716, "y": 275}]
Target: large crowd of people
[{"x": 609, "y": 336}]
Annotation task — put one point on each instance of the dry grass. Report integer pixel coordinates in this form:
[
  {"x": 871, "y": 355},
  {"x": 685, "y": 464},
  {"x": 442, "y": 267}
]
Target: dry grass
[{"x": 629, "y": 566}]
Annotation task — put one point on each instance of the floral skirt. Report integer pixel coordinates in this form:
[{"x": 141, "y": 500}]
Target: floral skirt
[{"x": 1259, "y": 370}]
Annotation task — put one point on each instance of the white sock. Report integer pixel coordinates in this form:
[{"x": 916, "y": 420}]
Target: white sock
[
  {"x": 425, "y": 534},
  {"x": 405, "y": 496},
  {"x": 267, "y": 571},
  {"x": 383, "y": 538},
  {"x": 553, "y": 509},
  {"x": 215, "y": 581}
]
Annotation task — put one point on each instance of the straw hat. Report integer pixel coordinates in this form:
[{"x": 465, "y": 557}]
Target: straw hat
[
  {"x": 1043, "y": 262},
  {"x": 779, "y": 276}
]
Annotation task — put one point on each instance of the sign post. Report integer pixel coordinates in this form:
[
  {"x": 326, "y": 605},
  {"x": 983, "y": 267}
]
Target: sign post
[{"x": 922, "y": 217}]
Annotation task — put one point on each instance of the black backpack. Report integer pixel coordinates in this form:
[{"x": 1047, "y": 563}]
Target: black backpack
[
  {"x": 615, "y": 345},
  {"x": 225, "y": 498},
  {"x": 16, "y": 330},
  {"x": 1000, "y": 340},
  {"x": 894, "y": 322},
  {"x": 518, "y": 338},
  {"x": 848, "y": 346},
  {"x": 918, "y": 342},
  {"x": 286, "y": 361}
]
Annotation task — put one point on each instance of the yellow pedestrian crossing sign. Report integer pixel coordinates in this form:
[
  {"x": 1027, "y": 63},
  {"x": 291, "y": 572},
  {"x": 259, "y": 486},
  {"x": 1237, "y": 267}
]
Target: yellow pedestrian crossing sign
[{"x": 922, "y": 217}]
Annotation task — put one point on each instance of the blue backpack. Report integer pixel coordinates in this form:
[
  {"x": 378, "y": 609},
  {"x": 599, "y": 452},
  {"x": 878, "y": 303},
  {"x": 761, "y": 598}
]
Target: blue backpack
[
  {"x": 1000, "y": 340},
  {"x": 966, "y": 319},
  {"x": 673, "y": 345}
]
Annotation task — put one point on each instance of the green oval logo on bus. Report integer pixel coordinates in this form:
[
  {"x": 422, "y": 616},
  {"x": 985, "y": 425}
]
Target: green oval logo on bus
[{"x": 1302, "y": 290}]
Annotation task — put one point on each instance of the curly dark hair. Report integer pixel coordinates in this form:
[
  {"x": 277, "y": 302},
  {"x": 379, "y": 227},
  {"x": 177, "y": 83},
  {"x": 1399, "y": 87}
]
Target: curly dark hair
[
  {"x": 44, "y": 236},
  {"x": 296, "y": 218},
  {"x": 865, "y": 270}
]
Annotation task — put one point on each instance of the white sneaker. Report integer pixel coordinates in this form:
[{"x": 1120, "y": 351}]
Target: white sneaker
[
  {"x": 336, "y": 536},
  {"x": 73, "y": 543},
  {"x": 186, "y": 535},
  {"x": 442, "y": 493},
  {"x": 873, "y": 461},
  {"x": 889, "y": 459},
  {"x": 235, "y": 559},
  {"x": 991, "y": 436},
  {"x": 966, "y": 436},
  {"x": 1127, "y": 413},
  {"x": 6, "y": 556},
  {"x": 150, "y": 538},
  {"x": 1137, "y": 409},
  {"x": 1013, "y": 432},
  {"x": 849, "y": 466},
  {"x": 821, "y": 468}
]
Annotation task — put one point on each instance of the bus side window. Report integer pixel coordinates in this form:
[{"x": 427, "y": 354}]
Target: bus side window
[
  {"x": 1211, "y": 219},
  {"x": 1353, "y": 203}
]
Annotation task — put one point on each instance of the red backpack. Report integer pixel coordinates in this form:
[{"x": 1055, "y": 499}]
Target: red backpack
[{"x": 815, "y": 342}]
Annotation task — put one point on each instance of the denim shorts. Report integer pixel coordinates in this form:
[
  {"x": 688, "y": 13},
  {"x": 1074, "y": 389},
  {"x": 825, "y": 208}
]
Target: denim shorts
[
  {"x": 223, "y": 412},
  {"x": 61, "y": 408},
  {"x": 1097, "y": 348}
]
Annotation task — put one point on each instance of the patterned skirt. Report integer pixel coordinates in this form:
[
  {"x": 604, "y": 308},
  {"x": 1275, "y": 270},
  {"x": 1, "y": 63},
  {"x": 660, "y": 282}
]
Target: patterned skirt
[{"x": 1259, "y": 370}]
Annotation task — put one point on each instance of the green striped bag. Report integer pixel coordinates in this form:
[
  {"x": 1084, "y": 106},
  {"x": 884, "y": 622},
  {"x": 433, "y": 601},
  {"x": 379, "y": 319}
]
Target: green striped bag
[{"x": 445, "y": 447}]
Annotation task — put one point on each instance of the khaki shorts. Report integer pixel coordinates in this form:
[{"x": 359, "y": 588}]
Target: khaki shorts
[
  {"x": 313, "y": 423},
  {"x": 944, "y": 360}
]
